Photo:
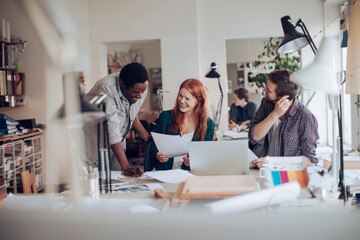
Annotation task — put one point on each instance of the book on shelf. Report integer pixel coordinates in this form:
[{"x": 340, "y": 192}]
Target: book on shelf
[
  {"x": 6, "y": 123},
  {"x": 2, "y": 55},
  {"x": 8, "y": 127},
  {"x": 2, "y": 82},
  {"x": 8, "y": 35},
  {"x": 9, "y": 83},
  {"x": 19, "y": 79},
  {"x": 8, "y": 131},
  {"x": 10, "y": 55},
  {"x": 3, "y": 29}
]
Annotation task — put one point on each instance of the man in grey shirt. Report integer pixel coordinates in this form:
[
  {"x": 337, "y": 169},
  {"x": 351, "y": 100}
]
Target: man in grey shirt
[{"x": 126, "y": 93}]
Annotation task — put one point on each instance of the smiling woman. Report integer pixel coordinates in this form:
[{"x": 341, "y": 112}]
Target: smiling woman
[{"x": 189, "y": 119}]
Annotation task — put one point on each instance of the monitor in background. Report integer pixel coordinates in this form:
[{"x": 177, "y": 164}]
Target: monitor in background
[{"x": 219, "y": 157}]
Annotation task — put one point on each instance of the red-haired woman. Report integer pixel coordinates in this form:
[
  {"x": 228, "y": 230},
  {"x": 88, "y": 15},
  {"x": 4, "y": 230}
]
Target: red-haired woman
[{"x": 188, "y": 119}]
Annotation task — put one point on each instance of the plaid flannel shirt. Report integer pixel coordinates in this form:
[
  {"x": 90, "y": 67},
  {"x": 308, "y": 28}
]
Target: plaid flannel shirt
[{"x": 297, "y": 134}]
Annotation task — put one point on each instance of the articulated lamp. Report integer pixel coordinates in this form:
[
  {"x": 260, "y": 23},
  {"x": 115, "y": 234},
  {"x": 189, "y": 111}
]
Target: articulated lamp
[
  {"x": 320, "y": 77},
  {"x": 294, "y": 40},
  {"x": 213, "y": 73}
]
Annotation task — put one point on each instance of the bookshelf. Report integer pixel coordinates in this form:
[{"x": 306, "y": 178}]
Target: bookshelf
[
  {"x": 11, "y": 81},
  {"x": 20, "y": 154}
]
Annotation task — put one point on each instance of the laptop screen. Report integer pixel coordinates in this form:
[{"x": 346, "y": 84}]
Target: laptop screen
[{"x": 219, "y": 157}]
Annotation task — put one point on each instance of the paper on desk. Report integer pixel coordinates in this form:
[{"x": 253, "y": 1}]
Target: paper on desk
[
  {"x": 170, "y": 145},
  {"x": 169, "y": 176},
  {"x": 235, "y": 135},
  {"x": 279, "y": 194}
]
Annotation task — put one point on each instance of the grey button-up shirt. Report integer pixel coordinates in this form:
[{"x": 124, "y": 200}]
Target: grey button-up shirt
[{"x": 120, "y": 112}]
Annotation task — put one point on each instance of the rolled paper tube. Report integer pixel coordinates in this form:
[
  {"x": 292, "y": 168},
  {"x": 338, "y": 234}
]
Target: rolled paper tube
[{"x": 286, "y": 192}]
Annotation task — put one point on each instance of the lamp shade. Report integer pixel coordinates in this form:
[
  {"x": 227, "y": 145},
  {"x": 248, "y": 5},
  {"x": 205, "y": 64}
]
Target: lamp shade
[
  {"x": 320, "y": 75},
  {"x": 293, "y": 40},
  {"x": 353, "y": 51},
  {"x": 213, "y": 73}
]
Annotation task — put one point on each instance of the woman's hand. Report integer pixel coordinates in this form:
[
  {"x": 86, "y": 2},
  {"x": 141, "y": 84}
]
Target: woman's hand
[
  {"x": 162, "y": 157},
  {"x": 186, "y": 160},
  {"x": 259, "y": 162}
]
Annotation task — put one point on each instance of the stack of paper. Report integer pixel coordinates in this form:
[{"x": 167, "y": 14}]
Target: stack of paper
[{"x": 235, "y": 135}]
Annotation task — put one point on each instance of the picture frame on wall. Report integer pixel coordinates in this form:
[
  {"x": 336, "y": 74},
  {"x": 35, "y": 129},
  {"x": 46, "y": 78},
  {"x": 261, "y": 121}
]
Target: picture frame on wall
[{"x": 240, "y": 75}]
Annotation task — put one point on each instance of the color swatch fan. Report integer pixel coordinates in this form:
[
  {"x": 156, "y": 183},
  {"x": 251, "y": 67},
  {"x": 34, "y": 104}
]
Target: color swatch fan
[{"x": 281, "y": 170}]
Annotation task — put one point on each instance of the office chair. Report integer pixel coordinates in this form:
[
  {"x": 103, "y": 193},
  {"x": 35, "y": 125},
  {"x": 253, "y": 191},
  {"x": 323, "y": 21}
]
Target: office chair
[{"x": 149, "y": 163}]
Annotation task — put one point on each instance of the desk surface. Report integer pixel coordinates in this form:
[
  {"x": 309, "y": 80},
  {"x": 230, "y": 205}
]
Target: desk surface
[
  {"x": 10, "y": 138},
  {"x": 109, "y": 218},
  {"x": 171, "y": 188}
]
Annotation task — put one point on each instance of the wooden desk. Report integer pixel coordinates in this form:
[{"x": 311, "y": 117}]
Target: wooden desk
[{"x": 189, "y": 222}]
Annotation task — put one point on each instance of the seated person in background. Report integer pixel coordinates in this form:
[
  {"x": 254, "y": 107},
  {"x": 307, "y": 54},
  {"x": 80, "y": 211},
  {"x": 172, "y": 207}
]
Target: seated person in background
[
  {"x": 189, "y": 119},
  {"x": 282, "y": 126},
  {"x": 241, "y": 111}
]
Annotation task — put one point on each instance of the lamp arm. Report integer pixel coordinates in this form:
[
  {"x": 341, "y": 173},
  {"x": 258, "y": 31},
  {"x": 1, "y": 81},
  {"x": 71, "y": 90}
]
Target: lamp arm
[
  {"x": 219, "y": 107},
  {"x": 301, "y": 24},
  {"x": 221, "y": 91},
  {"x": 218, "y": 112}
]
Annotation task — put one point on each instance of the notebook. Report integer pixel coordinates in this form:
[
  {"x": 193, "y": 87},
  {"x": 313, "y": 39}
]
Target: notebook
[{"x": 219, "y": 157}]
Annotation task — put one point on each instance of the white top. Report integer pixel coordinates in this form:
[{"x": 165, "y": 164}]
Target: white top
[{"x": 186, "y": 139}]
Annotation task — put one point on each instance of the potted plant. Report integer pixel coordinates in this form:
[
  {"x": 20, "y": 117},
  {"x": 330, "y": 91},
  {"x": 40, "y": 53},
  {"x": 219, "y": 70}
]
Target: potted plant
[{"x": 290, "y": 61}]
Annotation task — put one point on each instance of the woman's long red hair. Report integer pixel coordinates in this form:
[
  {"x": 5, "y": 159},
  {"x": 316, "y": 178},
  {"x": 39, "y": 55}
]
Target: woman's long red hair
[{"x": 197, "y": 89}]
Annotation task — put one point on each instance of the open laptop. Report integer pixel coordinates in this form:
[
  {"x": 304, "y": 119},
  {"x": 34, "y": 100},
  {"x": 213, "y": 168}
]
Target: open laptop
[{"x": 219, "y": 157}]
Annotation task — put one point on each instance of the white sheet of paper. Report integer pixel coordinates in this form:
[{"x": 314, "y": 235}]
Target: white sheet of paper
[
  {"x": 282, "y": 193},
  {"x": 251, "y": 157},
  {"x": 170, "y": 145},
  {"x": 169, "y": 176},
  {"x": 235, "y": 135}
]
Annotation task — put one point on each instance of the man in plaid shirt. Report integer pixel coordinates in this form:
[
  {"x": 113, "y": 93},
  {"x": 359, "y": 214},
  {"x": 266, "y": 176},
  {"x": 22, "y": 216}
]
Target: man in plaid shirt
[{"x": 282, "y": 126}]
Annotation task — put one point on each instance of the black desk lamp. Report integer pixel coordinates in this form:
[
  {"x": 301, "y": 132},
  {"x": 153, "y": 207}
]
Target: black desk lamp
[
  {"x": 293, "y": 41},
  {"x": 213, "y": 73}
]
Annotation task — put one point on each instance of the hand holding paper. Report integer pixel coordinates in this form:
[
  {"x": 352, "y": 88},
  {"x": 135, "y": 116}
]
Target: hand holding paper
[{"x": 170, "y": 145}]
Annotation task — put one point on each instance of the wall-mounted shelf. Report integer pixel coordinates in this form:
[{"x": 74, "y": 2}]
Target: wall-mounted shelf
[{"x": 12, "y": 82}]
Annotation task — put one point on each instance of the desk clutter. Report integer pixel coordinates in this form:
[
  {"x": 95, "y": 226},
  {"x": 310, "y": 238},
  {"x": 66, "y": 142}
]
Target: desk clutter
[
  {"x": 280, "y": 170},
  {"x": 218, "y": 186}
]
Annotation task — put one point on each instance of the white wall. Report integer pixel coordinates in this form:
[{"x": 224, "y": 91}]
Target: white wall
[
  {"x": 244, "y": 49},
  {"x": 203, "y": 24},
  {"x": 192, "y": 34}
]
